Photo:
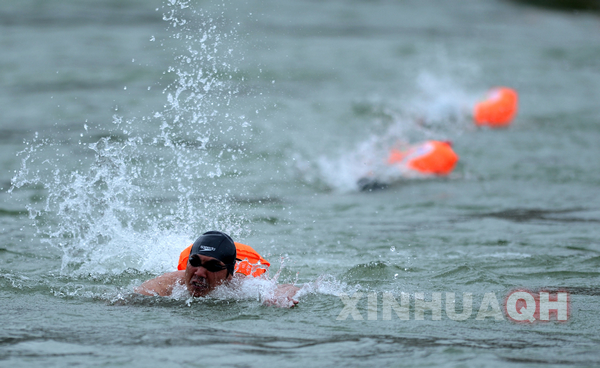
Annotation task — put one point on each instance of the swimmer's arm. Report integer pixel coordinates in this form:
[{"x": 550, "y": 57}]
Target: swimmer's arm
[{"x": 162, "y": 285}]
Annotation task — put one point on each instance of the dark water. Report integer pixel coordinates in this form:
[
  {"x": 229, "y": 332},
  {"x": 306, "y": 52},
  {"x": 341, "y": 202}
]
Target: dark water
[{"x": 124, "y": 135}]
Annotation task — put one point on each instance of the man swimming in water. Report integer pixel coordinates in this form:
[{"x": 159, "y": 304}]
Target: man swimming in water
[{"x": 211, "y": 263}]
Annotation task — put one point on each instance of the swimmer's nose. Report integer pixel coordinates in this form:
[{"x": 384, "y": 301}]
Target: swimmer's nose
[{"x": 200, "y": 272}]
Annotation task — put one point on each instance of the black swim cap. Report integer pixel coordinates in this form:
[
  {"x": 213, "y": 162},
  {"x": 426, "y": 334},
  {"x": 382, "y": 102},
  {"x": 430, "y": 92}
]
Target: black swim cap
[{"x": 217, "y": 245}]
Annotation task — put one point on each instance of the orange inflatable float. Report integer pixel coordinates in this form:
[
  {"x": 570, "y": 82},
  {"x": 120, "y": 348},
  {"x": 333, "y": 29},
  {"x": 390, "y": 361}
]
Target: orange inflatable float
[
  {"x": 498, "y": 109},
  {"x": 429, "y": 157},
  {"x": 425, "y": 158},
  {"x": 249, "y": 263}
]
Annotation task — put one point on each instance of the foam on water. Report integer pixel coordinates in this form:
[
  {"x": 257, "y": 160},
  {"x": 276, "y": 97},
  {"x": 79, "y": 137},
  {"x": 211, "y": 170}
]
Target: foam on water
[{"x": 141, "y": 192}]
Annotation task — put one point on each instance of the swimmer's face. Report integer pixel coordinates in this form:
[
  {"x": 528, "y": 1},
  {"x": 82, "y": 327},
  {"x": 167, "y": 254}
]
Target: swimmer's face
[{"x": 199, "y": 280}]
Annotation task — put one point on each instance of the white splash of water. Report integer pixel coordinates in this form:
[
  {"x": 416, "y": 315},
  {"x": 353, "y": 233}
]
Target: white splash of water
[
  {"x": 265, "y": 290},
  {"x": 327, "y": 285},
  {"x": 137, "y": 195},
  {"x": 441, "y": 105}
]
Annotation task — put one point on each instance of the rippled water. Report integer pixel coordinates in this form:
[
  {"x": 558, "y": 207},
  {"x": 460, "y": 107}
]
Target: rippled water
[{"x": 128, "y": 128}]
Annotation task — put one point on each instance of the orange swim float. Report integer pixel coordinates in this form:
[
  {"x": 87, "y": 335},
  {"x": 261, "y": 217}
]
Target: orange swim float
[
  {"x": 429, "y": 157},
  {"x": 498, "y": 109},
  {"x": 251, "y": 263}
]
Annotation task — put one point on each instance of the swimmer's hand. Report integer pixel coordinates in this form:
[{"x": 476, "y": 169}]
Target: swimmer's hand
[{"x": 283, "y": 296}]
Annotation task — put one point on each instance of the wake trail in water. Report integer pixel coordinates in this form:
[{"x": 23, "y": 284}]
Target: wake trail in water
[{"x": 440, "y": 110}]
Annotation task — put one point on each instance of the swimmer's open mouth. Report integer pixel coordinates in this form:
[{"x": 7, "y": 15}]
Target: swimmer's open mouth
[{"x": 199, "y": 285}]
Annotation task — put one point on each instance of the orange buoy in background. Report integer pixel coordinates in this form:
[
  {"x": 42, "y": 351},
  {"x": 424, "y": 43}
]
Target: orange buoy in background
[
  {"x": 498, "y": 109},
  {"x": 429, "y": 157}
]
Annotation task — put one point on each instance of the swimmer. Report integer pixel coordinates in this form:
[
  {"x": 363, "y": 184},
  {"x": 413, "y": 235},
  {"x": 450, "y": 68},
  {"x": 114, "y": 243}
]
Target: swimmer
[{"x": 211, "y": 263}]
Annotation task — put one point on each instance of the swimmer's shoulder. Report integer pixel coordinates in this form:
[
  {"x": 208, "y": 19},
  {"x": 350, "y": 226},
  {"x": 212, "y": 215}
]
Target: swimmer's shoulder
[{"x": 162, "y": 285}]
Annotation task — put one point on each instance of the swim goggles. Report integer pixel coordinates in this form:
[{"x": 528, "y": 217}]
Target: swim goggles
[{"x": 212, "y": 265}]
